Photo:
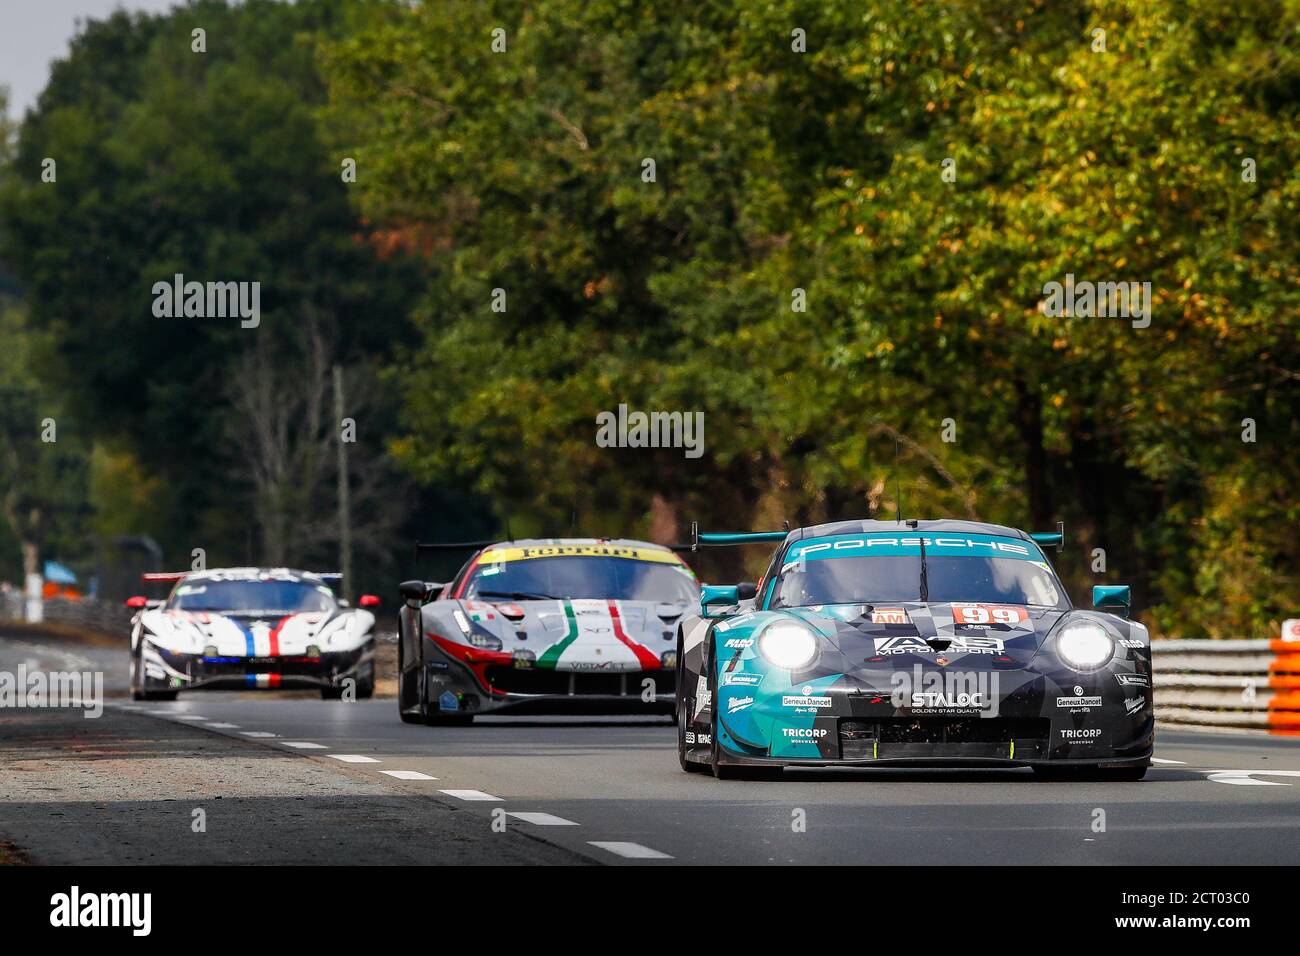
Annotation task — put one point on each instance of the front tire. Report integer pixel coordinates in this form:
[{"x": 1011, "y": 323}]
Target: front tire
[
  {"x": 154, "y": 694},
  {"x": 138, "y": 691},
  {"x": 408, "y": 711},
  {"x": 684, "y": 718}
]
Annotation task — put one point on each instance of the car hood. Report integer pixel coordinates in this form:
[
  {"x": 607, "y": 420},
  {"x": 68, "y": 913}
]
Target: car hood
[
  {"x": 581, "y": 634},
  {"x": 261, "y": 635},
  {"x": 909, "y": 632}
]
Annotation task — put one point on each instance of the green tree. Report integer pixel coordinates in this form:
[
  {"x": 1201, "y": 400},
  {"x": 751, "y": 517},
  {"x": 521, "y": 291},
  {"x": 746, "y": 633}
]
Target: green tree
[
  {"x": 210, "y": 165},
  {"x": 823, "y": 171}
]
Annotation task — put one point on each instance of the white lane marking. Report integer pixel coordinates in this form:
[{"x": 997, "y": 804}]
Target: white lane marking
[
  {"x": 1181, "y": 763},
  {"x": 166, "y": 711},
  {"x": 633, "y": 851},
  {"x": 223, "y": 726},
  {"x": 470, "y": 795},
  {"x": 541, "y": 819},
  {"x": 256, "y": 733},
  {"x": 353, "y": 758},
  {"x": 407, "y": 775},
  {"x": 1243, "y": 778},
  {"x": 191, "y": 717},
  {"x": 302, "y": 745}
]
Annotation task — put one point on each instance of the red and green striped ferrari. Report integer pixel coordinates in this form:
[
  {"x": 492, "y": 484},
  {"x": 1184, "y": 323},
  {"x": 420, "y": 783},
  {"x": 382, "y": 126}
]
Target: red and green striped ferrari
[{"x": 559, "y": 625}]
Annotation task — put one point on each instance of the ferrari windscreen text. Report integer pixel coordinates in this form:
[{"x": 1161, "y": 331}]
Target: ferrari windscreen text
[{"x": 569, "y": 578}]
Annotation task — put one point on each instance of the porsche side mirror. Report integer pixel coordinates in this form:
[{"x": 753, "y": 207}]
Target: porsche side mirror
[
  {"x": 368, "y": 600},
  {"x": 724, "y": 595},
  {"x": 1113, "y": 599},
  {"x": 137, "y": 602}
]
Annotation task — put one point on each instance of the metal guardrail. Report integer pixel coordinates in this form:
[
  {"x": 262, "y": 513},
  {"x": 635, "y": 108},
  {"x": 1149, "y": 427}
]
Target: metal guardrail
[{"x": 1233, "y": 685}]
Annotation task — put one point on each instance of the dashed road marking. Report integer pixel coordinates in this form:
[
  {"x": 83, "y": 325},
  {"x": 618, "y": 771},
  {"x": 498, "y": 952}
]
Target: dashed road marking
[
  {"x": 214, "y": 724},
  {"x": 633, "y": 851},
  {"x": 353, "y": 758},
  {"x": 541, "y": 819},
  {"x": 302, "y": 745},
  {"x": 1245, "y": 778},
  {"x": 191, "y": 717},
  {"x": 407, "y": 775},
  {"x": 470, "y": 795},
  {"x": 257, "y": 733},
  {"x": 1181, "y": 763}
]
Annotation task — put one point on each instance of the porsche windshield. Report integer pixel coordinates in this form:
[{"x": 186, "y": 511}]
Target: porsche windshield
[
  {"x": 536, "y": 579},
  {"x": 871, "y": 569},
  {"x": 247, "y": 597}
]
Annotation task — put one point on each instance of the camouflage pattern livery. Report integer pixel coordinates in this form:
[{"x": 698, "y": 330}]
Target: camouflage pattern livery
[{"x": 910, "y": 681}]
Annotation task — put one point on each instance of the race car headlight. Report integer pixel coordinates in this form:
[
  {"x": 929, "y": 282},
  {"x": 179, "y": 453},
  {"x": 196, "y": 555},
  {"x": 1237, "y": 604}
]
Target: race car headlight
[
  {"x": 791, "y": 646},
  {"x": 1085, "y": 645},
  {"x": 489, "y": 642}
]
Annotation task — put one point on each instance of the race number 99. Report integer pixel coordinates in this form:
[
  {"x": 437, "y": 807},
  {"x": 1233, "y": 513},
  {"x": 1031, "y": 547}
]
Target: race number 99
[{"x": 988, "y": 614}]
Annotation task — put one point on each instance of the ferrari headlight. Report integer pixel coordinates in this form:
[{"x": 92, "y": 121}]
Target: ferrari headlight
[
  {"x": 1084, "y": 645},
  {"x": 489, "y": 642},
  {"x": 787, "y": 645}
]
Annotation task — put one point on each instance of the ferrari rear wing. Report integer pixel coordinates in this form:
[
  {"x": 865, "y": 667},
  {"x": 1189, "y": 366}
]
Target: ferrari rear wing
[
  {"x": 424, "y": 547},
  {"x": 163, "y": 577},
  {"x": 171, "y": 577}
]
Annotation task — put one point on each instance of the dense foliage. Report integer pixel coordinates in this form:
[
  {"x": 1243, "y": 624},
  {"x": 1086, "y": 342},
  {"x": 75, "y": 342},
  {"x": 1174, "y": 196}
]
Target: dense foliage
[{"x": 826, "y": 225}]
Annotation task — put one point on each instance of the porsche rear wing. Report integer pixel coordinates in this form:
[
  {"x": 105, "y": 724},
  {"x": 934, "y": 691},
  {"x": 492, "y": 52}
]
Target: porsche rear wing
[
  {"x": 725, "y": 539},
  {"x": 729, "y": 539},
  {"x": 1050, "y": 538}
]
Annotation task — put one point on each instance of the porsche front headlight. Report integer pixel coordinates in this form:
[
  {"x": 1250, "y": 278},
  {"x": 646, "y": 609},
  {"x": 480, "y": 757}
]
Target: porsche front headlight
[
  {"x": 788, "y": 645},
  {"x": 1085, "y": 645}
]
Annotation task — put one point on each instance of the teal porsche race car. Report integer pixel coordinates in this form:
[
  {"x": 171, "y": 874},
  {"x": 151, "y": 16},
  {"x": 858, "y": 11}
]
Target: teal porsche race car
[{"x": 873, "y": 643}]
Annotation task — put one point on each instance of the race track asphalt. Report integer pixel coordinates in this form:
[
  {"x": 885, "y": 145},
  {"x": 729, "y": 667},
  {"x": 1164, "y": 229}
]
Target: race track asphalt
[{"x": 609, "y": 790}]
